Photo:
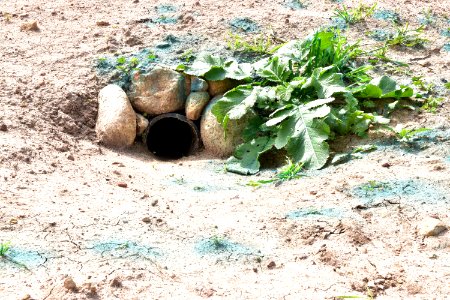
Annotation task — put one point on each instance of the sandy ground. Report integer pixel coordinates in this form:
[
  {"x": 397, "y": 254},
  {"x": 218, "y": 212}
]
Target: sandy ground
[{"x": 186, "y": 229}]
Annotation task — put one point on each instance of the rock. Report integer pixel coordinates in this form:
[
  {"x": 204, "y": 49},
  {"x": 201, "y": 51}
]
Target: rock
[
  {"x": 3, "y": 127},
  {"x": 116, "y": 120},
  {"x": 158, "y": 92},
  {"x": 212, "y": 132},
  {"x": 102, "y": 23},
  {"x": 141, "y": 124},
  {"x": 146, "y": 220},
  {"x": 116, "y": 282},
  {"x": 30, "y": 26},
  {"x": 195, "y": 104},
  {"x": 431, "y": 227},
  {"x": 122, "y": 184},
  {"x": 187, "y": 84},
  {"x": 70, "y": 284},
  {"x": 198, "y": 85},
  {"x": 271, "y": 265},
  {"x": 216, "y": 88}
]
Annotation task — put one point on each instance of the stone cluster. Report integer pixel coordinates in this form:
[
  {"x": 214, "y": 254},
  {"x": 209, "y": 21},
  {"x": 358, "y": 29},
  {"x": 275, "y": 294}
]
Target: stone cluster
[{"x": 162, "y": 90}]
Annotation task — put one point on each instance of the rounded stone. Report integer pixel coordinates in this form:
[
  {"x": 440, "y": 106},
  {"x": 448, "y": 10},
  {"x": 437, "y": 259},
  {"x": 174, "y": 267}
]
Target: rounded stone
[
  {"x": 195, "y": 104},
  {"x": 218, "y": 87},
  {"x": 116, "y": 119},
  {"x": 213, "y": 134},
  {"x": 198, "y": 85},
  {"x": 158, "y": 92},
  {"x": 141, "y": 124}
]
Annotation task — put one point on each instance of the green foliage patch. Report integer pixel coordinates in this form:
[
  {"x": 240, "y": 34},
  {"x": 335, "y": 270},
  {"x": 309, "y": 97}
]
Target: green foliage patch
[{"x": 298, "y": 98}]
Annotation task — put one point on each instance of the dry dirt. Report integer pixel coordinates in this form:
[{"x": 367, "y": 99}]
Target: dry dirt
[{"x": 123, "y": 225}]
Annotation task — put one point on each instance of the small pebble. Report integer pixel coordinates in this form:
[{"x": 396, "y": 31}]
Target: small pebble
[
  {"x": 122, "y": 184},
  {"x": 102, "y": 23},
  {"x": 70, "y": 284},
  {"x": 116, "y": 282},
  {"x": 31, "y": 26}
]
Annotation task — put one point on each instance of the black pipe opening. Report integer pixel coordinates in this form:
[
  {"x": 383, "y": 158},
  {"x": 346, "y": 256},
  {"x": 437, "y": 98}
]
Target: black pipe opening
[{"x": 172, "y": 136}]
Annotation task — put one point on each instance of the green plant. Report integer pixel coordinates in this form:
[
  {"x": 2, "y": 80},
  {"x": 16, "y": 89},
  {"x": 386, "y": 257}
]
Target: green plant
[
  {"x": 431, "y": 104},
  {"x": 421, "y": 84},
  {"x": 406, "y": 37},
  {"x": 123, "y": 246},
  {"x": 447, "y": 85},
  {"x": 365, "y": 149},
  {"x": 262, "y": 44},
  {"x": 305, "y": 93},
  {"x": 187, "y": 56},
  {"x": 428, "y": 17},
  {"x": 373, "y": 185},
  {"x": 404, "y": 134},
  {"x": 4, "y": 248},
  {"x": 218, "y": 242},
  {"x": 289, "y": 172},
  {"x": 356, "y": 14}
]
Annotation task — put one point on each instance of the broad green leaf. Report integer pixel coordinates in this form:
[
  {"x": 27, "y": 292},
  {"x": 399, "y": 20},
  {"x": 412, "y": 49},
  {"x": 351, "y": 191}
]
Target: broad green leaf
[
  {"x": 216, "y": 68},
  {"x": 204, "y": 63},
  {"x": 326, "y": 82},
  {"x": 383, "y": 87},
  {"x": 245, "y": 160},
  {"x": 237, "y": 102},
  {"x": 275, "y": 71},
  {"x": 302, "y": 133},
  {"x": 350, "y": 118},
  {"x": 309, "y": 145}
]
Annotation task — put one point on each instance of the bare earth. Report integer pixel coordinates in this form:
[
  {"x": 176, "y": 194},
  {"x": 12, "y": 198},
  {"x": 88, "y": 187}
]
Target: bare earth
[{"x": 64, "y": 207}]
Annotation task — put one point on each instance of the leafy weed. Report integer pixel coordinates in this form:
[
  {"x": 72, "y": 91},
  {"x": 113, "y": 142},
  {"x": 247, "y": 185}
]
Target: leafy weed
[
  {"x": 356, "y": 14},
  {"x": 407, "y": 37},
  {"x": 289, "y": 172},
  {"x": 404, "y": 134},
  {"x": 261, "y": 44},
  {"x": 305, "y": 93},
  {"x": 4, "y": 248},
  {"x": 432, "y": 104}
]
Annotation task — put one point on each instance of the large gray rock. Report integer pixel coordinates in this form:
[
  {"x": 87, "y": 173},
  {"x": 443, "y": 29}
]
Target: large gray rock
[
  {"x": 116, "y": 120},
  {"x": 158, "y": 92},
  {"x": 212, "y": 132},
  {"x": 195, "y": 104}
]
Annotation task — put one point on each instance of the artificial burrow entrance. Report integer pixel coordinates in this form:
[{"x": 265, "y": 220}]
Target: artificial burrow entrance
[{"x": 171, "y": 136}]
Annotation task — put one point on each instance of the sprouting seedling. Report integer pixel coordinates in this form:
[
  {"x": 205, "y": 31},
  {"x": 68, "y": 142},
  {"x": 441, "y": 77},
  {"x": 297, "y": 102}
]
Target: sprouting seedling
[
  {"x": 355, "y": 15},
  {"x": 4, "y": 248},
  {"x": 373, "y": 185},
  {"x": 407, "y": 37},
  {"x": 289, "y": 172},
  {"x": 262, "y": 44},
  {"x": 431, "y": 104},
  {"x": 124, "y": 245},
  {"x": 218, "y": 242},
  {"x": 187, "y": 56},
  {"x": 404, "y": 134},
  {"x": 365, "y": 149}
]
